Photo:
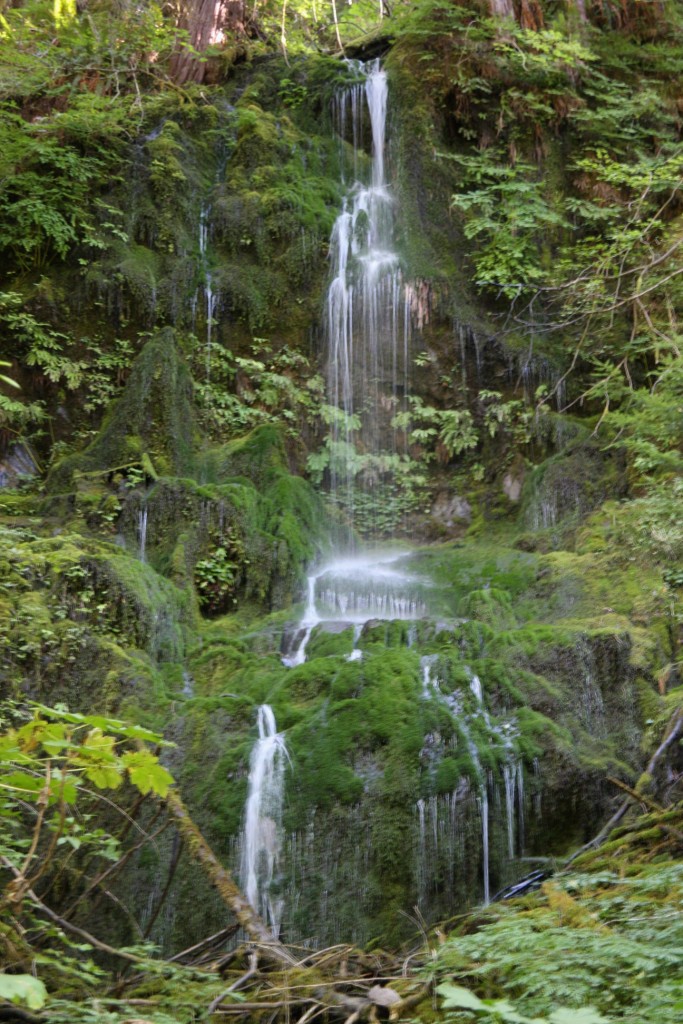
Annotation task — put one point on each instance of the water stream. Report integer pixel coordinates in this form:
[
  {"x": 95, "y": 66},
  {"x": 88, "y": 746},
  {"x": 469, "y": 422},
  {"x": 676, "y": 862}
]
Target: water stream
[
  {"x": 142, "y": 533},
  {"x": 262, "y": 838},
  {"x": 367, "y": 309},
  {"x": 210, "y": 297},
  {"x": 368, "y": 330}
]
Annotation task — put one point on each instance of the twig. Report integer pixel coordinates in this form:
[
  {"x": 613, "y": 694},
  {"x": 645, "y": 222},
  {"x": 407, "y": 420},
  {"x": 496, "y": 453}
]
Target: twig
[
  {"x": 225, "y": 933},
  {"x": 674, "y": 729},
  {"x": 175, "y": 857},
  {"x": 651, "y": 806},
  {"x": 253, "y": 966},
  {"x": 113, "y": 868},
  {"x": 67, "y": 926}
]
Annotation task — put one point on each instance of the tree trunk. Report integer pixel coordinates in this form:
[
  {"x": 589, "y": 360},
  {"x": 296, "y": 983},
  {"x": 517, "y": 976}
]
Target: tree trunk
[
  {"x": 502, "y": 8},
  {"x": 207, "y": 23},
  {"x": 531, "y": 15}
]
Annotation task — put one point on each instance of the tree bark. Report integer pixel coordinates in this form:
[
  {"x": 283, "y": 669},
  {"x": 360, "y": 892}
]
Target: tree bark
[
  {"x": 502, "y": 8},
  {"x": 207, "y": 23}
]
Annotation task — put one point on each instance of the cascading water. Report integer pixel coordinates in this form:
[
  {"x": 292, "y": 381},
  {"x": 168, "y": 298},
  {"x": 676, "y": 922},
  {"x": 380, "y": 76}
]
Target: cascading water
[
  {"x": 262, "y": 837},
  {"x": 210, "y": 297},
  {"x": 142, "y": 533},
  {"x": 445, "y": 818},
  {"x": 368, "y": 323},
  {"x": 368, "y": 306},
  {"x": 355, "y": 590},
  {"x": 369, "y": 319}
]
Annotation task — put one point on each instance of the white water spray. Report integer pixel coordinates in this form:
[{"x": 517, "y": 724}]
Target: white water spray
[{"x": 355, "y": 590}]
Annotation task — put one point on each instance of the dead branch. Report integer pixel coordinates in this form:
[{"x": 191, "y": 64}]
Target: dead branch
[
  {"x": 672, "y": 732},
  {"x": 223, "y": 883},
  {"x": 207, "y": 943},
  {"x": 253, "y": 967}
]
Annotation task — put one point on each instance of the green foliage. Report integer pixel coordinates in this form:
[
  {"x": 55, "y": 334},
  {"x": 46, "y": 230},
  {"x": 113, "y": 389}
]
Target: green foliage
[
  {"x": 55, "y": 765},
  {"x": 603, "y": 941},
  {"x": 101, "y": 56},
  {"x": 269, "y": 387},
  {"x": 23, "y": 989},
  {"x": 58, "y": 751},
  {"x": 506, "y": 205},
  {"x": 39, "y": 344},
  {"x": 455, "y": 997},
  {"x": 216, "y": 576},
  {"x": 45, "y": 193}
]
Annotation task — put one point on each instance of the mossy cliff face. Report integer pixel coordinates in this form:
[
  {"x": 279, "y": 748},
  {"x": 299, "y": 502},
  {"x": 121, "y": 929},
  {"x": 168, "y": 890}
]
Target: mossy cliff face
[
  {"x": 157, "y": 573},
  {"x": 392, "y": 754}
]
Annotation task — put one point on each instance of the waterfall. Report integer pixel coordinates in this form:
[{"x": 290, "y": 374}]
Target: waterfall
[
  {"x": 355, "y": 590},
  {"x": 310, "y": 619},
  {"x": 483, "y": 799},
  {"x": 367, "y": 309},
  {"x": 142, "y": 532},
  {"x": 520, "y": 804},
  {"x": 356, "y": 654},
  {"x": 427, "y": 661},
  {"x": 262, "y": 821},
  {"x": 210, "y": 297},
  {"x": 509, "y": 776}
]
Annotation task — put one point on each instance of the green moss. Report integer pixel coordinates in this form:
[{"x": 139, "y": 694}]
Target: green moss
[
  {"x": 492, "y": 606},
  {"x": 153, "y": 418}
]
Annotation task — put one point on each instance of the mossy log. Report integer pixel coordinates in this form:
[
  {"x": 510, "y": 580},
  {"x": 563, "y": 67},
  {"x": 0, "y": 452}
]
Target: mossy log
[{"x": 223, "y": 882}]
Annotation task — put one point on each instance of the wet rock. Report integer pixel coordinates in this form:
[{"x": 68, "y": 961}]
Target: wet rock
[
  {"x": 451, "y": 511},
  {"x": 513, "y": 481},
  {"x": 18, "y": 464}
]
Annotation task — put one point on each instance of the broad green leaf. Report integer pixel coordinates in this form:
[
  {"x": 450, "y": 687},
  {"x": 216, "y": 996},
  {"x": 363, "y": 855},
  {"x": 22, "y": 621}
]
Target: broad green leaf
[
  {"x": 10, "y": 751},
  {"x": 456, "y": 997},
  {"x": 28, "y": 785},
  {"x": 584, "y": 1015},
  {"x": 100, "y": 744},
  {"x": 146, "y": 773},
  {"x": 52, "y": 737},
  {"x": 23, "y": 988},
  {"x": 104, "y": 776},
  {"x": 504, "y": 1009},
  {"x": 137, "y": 732}
]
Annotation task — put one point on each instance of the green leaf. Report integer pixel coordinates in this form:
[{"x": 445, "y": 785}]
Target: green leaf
[
  {"x": 28, "y": 785},
  {"x": 23, "y": 988},
  {"x": 584, "y": 1015},
  {"x": 52, "y": 737},
  {"x": 96, "y": 743},
  {"x": 104, "y": 776},
  {"x": 146, "y": 773},
  {"x": 456, "y": 997}
]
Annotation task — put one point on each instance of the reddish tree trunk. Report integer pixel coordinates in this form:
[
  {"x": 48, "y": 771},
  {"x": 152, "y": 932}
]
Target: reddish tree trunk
[
  {"x": 207, "y": 23},
  {"x": 531, "y": 15}
]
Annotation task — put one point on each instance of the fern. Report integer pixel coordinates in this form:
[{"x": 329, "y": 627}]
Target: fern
[{"x": 603, "y": 941}]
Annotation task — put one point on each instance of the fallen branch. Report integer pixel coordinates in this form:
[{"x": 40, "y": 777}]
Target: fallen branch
[
  {"x": 207, "y": 943},
  {"x": 223, "y": 883},
  {"x": 672, "y": 732},
  {"x": 650, "y": 805}
]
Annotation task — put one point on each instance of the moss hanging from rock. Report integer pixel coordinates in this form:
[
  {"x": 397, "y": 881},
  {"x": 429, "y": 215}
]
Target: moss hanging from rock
[{"x": 153, "y": 418}]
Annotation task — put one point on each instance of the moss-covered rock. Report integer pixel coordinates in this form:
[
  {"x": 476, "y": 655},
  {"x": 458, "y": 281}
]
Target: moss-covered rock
[{"x": 150, "y": 427}]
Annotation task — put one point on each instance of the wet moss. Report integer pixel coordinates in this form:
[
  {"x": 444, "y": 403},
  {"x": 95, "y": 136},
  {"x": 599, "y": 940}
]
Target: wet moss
[{"x": 153, "y": 417}]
